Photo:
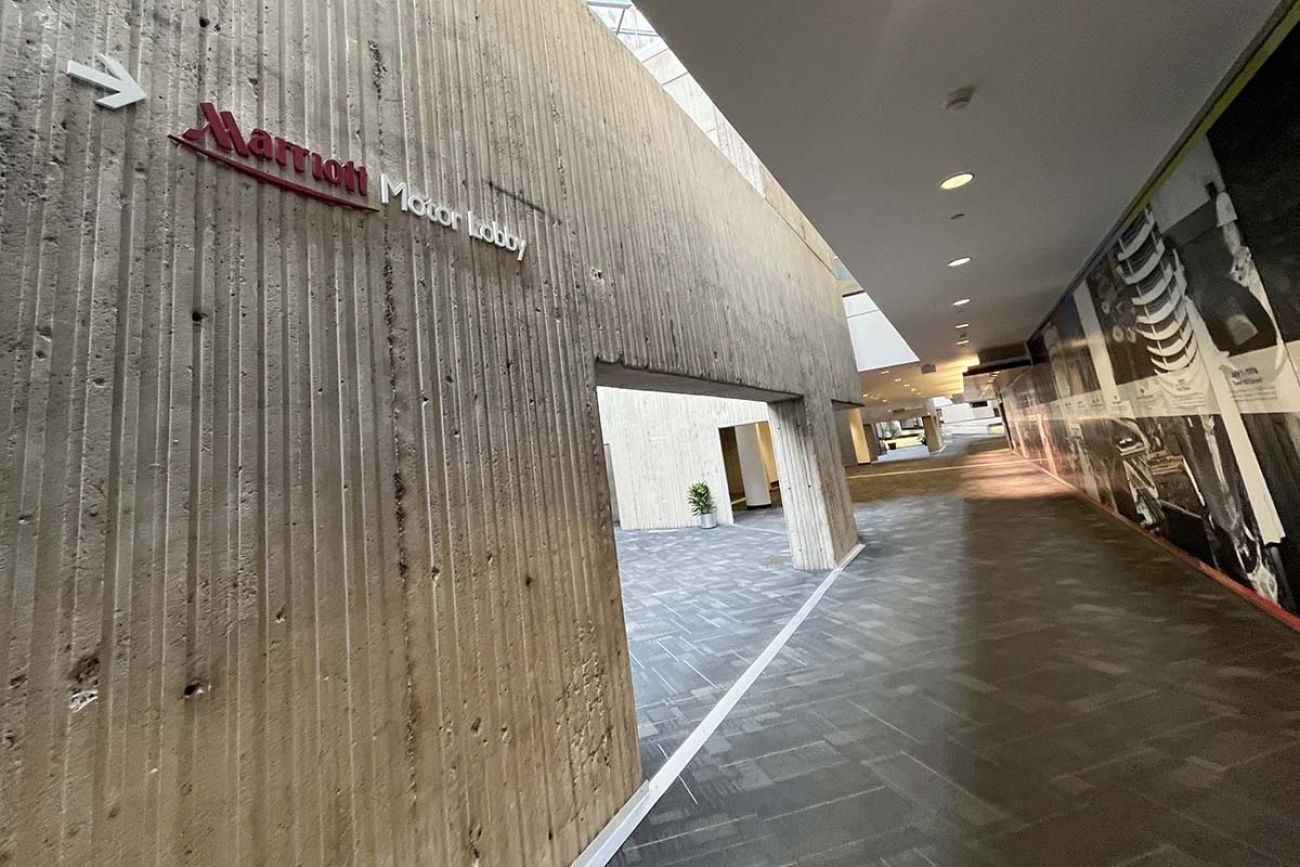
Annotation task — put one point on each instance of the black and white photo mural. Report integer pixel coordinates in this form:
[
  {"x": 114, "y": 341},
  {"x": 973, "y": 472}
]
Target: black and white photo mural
[{"x": 1165, "y": 386}]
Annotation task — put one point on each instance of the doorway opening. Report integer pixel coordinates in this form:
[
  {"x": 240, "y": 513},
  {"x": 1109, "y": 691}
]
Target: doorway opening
[
  {"x": 750, "y": 463},
  {"x": 699, "y": 604}
]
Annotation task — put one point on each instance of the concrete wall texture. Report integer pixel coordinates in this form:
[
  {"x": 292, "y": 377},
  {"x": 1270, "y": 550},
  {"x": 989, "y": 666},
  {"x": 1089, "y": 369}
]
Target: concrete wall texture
[
  {"x": 305, "y": 553},
  {"x": 662, "y": 443}
]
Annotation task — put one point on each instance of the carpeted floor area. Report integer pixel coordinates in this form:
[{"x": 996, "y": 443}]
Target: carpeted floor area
[{"x": 1004, "y": 676}]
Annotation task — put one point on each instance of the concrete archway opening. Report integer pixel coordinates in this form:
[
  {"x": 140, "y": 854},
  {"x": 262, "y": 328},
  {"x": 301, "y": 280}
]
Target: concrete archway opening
[{"x": 700, "y": 604}]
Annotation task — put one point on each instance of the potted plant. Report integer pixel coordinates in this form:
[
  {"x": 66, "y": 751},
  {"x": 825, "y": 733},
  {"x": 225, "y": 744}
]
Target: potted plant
[{"x": 701, "y": 500}]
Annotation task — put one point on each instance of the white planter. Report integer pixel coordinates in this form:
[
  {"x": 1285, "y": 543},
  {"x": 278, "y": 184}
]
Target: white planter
[{"x": 709, "y": 521}]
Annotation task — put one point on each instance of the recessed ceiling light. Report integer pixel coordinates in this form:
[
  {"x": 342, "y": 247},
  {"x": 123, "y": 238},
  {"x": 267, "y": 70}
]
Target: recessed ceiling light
[
  {"x": 957, "y": 263},
  {"x": 964, "y": 325},
  {"x": 883, "y": 372},
  {"x": 962, "y": 342},
  {"x": 961, "y": 302},
  {"x": 958, "y": 180},
  {"x": 898, "y": 380}
]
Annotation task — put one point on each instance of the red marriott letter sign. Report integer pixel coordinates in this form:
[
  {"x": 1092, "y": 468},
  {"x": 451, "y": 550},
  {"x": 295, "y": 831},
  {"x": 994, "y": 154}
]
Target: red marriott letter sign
[{"x": 229, "y": 146}]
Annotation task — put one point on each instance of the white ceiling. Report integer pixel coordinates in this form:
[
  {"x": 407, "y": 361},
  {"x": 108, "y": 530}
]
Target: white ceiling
[{"x": 1076, "y": 104}]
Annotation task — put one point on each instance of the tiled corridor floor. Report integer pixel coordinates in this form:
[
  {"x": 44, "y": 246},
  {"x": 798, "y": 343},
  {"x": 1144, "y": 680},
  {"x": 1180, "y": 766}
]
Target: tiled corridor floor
[
  {"x": 1004, "y": 676},
  {"x": 693, "y": 628}
]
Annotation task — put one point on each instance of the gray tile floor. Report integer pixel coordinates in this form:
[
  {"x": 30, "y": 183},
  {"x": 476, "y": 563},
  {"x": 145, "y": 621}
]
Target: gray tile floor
[
  {"x": 1005, "y": 676},
  {"x": 700, "y": 606}
]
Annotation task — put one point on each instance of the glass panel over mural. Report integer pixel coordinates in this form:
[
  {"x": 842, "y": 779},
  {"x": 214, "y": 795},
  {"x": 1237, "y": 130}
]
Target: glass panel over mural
[{"x": 1165, "y": 385}]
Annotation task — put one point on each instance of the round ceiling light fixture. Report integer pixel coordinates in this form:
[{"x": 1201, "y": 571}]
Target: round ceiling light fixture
[
  {"x": 959, "y": 261},
  {"x": 957, "y": 181},
  {"x": 961, "y": 302}
]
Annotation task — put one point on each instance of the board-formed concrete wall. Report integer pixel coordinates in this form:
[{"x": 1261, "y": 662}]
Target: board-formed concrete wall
[
  {"x": 660, "y": 444},
  {"x": 304, "y": 531}
]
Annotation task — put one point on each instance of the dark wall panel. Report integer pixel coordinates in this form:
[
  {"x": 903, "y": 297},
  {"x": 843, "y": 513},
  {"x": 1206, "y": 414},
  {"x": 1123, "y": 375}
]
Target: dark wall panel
[{"x": 1165, "y": 384}]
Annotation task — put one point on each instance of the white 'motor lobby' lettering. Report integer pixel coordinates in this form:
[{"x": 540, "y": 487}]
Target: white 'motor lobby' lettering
[
  {"x": 420, "y": 206},
  {"x": 494, "y": 233}
]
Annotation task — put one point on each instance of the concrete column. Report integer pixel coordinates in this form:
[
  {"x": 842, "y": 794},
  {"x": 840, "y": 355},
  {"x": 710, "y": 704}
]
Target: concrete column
[
  {"x": 731, "y": 461},
  {"x": 768, "y": 452},
  {"x": 613, "y": 489},
  {"x": 843, "y": 436},
  {"x": 814, "y": 494},
  {"x": 874, "y": 448},
  {"x": 933, "y": 439},
  {"x": 853, "y": 439},
  {"x": 753, "y": 471}
]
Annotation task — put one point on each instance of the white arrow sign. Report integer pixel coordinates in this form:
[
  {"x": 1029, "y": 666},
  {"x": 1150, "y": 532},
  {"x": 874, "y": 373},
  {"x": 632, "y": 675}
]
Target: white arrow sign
[{"x": 125, "y": 90}]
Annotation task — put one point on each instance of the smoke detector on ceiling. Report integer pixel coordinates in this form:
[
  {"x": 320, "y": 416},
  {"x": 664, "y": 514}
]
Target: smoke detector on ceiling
[{"x": 958, "y": 99}]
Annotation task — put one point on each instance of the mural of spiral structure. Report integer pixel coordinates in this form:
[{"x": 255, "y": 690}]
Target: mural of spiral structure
[{"x": 1154, "y": 275}]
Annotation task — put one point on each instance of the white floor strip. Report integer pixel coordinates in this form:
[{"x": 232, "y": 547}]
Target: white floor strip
[{"x": 615, "y": 834}]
